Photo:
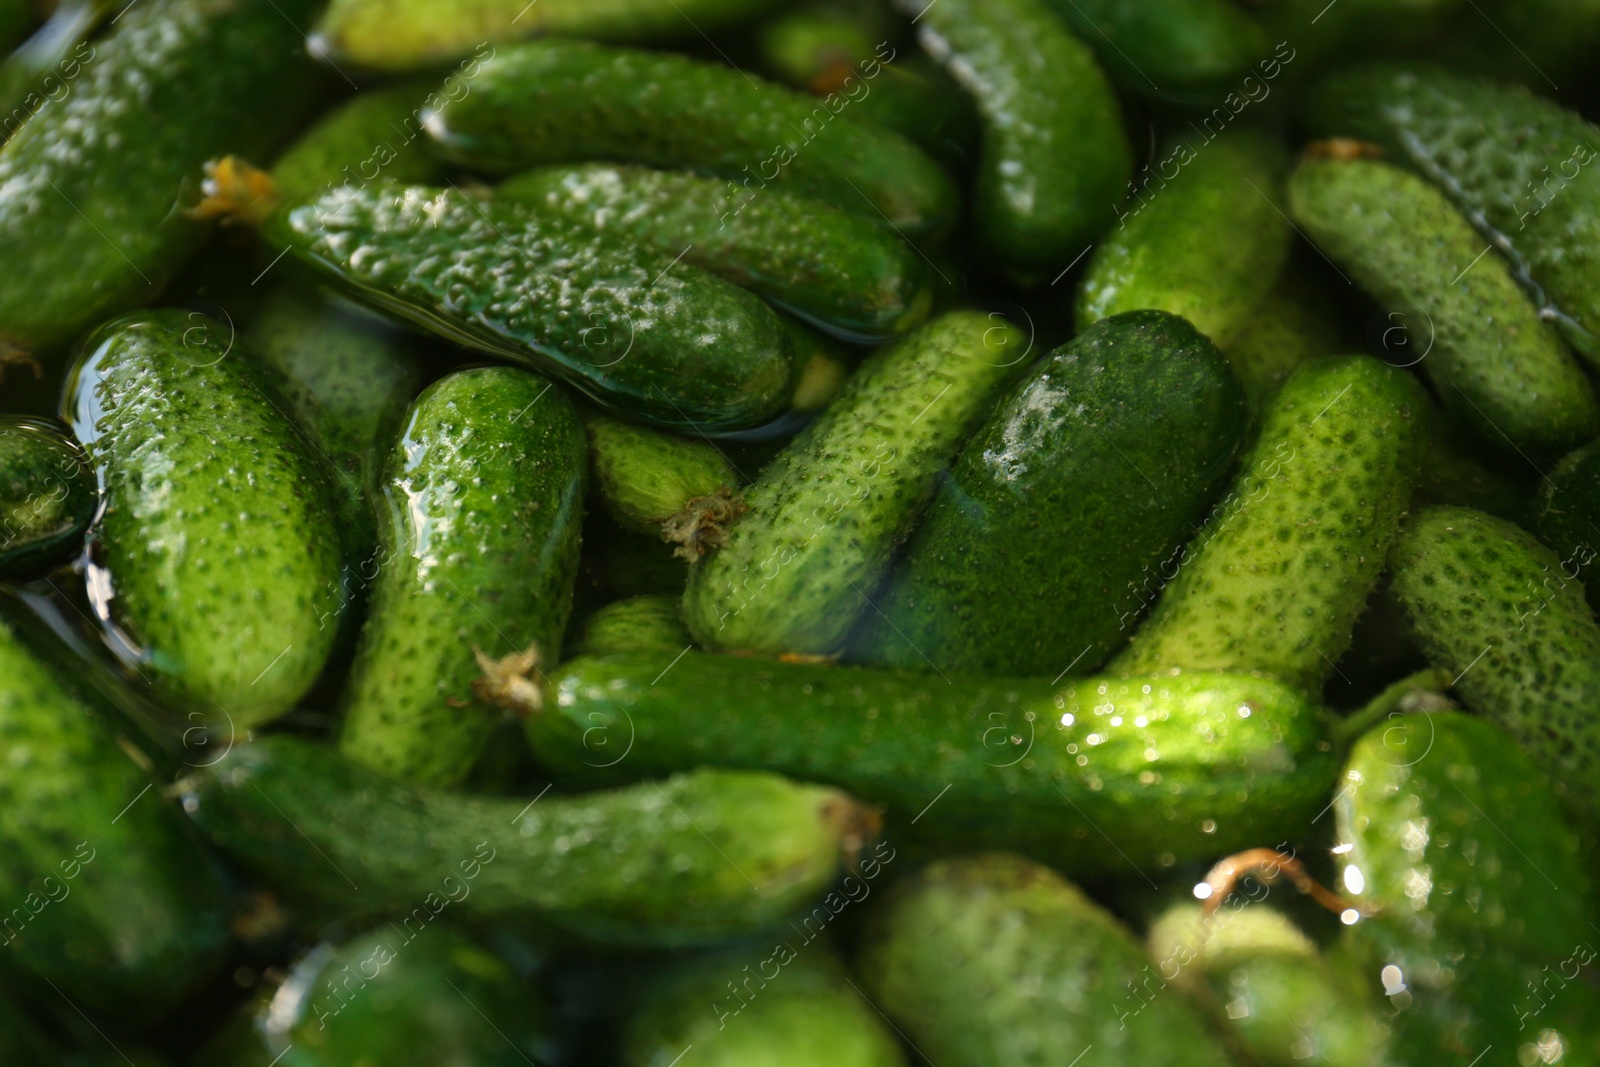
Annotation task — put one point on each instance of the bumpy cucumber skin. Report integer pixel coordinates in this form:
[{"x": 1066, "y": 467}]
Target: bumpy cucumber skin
[
  {"x": 1054, "y": 155},
  {"x": 1474, "y": 586},
  {"x": 1496, "y": 365},
  {"x": 573, "y": 101},
  {"x": 1201, "y": 248},
  {"x": 1276, "y": 579},
  {"x": 1012, "y": 572},
  {"x": 480, "y": 550},
  {"x": 663, "y": 863},
  {"x": 992, "y": 961},
  {"x": 1152, "y": 762},
  {"x": 663, "y": 343},
  {"x": 836, "y": 269},
  {"x": 91, "y": 186},
  {"x": 643, "y": 476},
  {"x": 109, "y": 895},
  {"x": 1167, "y": 46},
  {"x": 398, "y": 35},
  {"x": 1294, "y": 324},
  {"x": 1567, "y": 511},
  {"x": 48, "y": 497},
  {"x": 641, "y": 624},
  {"x": 1491, "y": 147},
  {"x": 216, "y": 554},
  {"x": 827, "y": 513}
]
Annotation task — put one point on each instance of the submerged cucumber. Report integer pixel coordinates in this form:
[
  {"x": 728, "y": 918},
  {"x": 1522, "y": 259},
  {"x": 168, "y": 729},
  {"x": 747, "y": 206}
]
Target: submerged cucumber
[
  {"x": 638, "y": 624},
  {"x": 1567, "y": 512},
  {"x": 1165, "y": 47},
  {"x": 47, "y": 497}
]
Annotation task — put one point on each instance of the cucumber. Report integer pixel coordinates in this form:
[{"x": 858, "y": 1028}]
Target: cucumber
[
  {"x": 663, "y": 863},
  {"x": 48, "y": 497},
  {"x": 479, "y": 554},
  {"x": 664, "y": 343},
  {"x": 93, "y": 226},
  {"x": 1507, "y": 618},
  {"x": 847, "y": 274},
  {"x": 1495, "y": 365},
  {"x": 1294, "y": 324},
  {"x": 1277, "y": 577},
  {"x": 1567, "y": 511},
  {"x": 676, "y": 488},
  {"x": 574, "y": 101},
  {"x": 827, "y": 514},
  {"x": 1168, "y": 47},
  {"x": 1517, "y": 165},
  {"x": 1201, "y": 249},
  {"x": 805, "y": 1013},
  {"x": 1054, "y": 156},
  {"x": 394, "y": 35},
  {"x": 1022, "y": 520},
  {"x": 816, "y": 46},
  {"x": 636, "y": 625},
  {"x": 215, "y": 566},
  {"x": 1161, "y": 766},
  {"x": 108, "y": 895},
  {"x": 994, "y": 961}
]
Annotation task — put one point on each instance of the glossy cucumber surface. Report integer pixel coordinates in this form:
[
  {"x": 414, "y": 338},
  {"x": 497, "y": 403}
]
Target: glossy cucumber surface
[{"x": 48, "y": 497}]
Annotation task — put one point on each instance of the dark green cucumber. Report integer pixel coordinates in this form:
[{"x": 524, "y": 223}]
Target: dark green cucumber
[
  {"x": 1168, "y": 768},
  {"x": 106, "y": 892},
  {"x": 1200, "y": 248},
  {"x": 1168, "y": 47},
  {"x": 1496, "y": 366},
  {"x": 1507, "y": 618},
  {"x": 689, "y": 860},
  {"x": 1277, "y": 577},
  {"x": 636, "y": 625},
  {"x": 662, "y": 342},
  {"x": 644, "y": 477},
  {"x": 826, "y": 515},
  {"x": 841, "y": 271},
  {"x": 1013, "y": 571},
  {"x": 1294, "y": 324},
  {"x": 92, "y": 187},
  {"x": 48, "y": 497},
  {"x": 992, "y": 961},
  {"x": 216, "y": 564},
  {"x": 479, "y": 552},
  {"x": 1054, "y": 156},
  {"x": 1567, "y": 511},
  {"x": 413, "y": 34},
  {"x": 573, "y": 101},
  {"x": 1517, "y": 165},
  {"x": 42, "y": 69},
  {"x": 816, "y": 46}
]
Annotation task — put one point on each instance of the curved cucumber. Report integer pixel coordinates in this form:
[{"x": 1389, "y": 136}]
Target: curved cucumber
[
  {"x": 838, "y": 270},
  {"x": 1567, "y": 512},
  {"x": 825, "y": 516},
  {"x": 638, "y": 624},
  {"x": 48, "y": 497},
  {"x": 665, "y": 343},
  {"x": 1201, "y": 248},
  {"x": 216, "y": 562},
  {"x": 1165, "y": 47},
  {"x": 573, "y": 101},
  {"x": 92, "y": 226},
  {"x": 1496, "y": 366},
  {"x": 1169, "y": 768},
  {"x": 1507, "y": 617},
  {"x": 1276, "y": 578},
  {"x": 1054, "y": 155},
  {"x": 664, "y": 863},
  {"x": 1013, "y": 571},
  {"x": 992, "y": 961},
  {"x": 480, "y": 550}
]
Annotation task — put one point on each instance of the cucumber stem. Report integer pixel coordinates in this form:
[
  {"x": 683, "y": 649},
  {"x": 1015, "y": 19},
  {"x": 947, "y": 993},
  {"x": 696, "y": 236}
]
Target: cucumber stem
[
  {"x": 509, "y": 683},
  {"x": 702, "y": 525}
]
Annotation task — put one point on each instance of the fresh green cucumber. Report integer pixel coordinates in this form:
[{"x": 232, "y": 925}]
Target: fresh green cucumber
[
  {"x": 1496, "y": 366},
  {"x": 1294, "y": 324},
  {"x": 410, "y": 34},
  {"x": 665, "y": 343},
  {"x": 841, "y": 271},
  {"x": 1517, "y": 165},
  {"x": 1168, "y": 47},
  {"x": 479, "y": 554},
  {"x": 816, "y": 46},
  {"x": 43, "y": 68},
  {"x": 693, "y": 859},
  {"x": 676, "y": 488},
  {"x": 1162, "y": 766},
  {"x": 574, "y": 101},
  {"x": 92, "y": 186},
  {"x": 48, "y": 497},
  {"x": 638, "y": 624},
  {"x": 1507, "y": 618},
  {"x": 108, "y": 895},
  {"x": 1200, "y": 248},
  {"x": 216, "y": 564},
  {"x": 1567, "y": 511},
  {"x": 1277, "y": 577},
  {"x": 1054, "y": 156},
  {"x": 992, "y": 961},
  {"x": 1023, "y": 518},
  {"x": 826, "y": 515}
]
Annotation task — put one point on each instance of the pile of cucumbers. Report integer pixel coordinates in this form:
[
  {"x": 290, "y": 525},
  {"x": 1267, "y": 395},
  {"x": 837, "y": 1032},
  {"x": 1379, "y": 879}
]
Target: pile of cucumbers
[{"x": 853, "y": 533}]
